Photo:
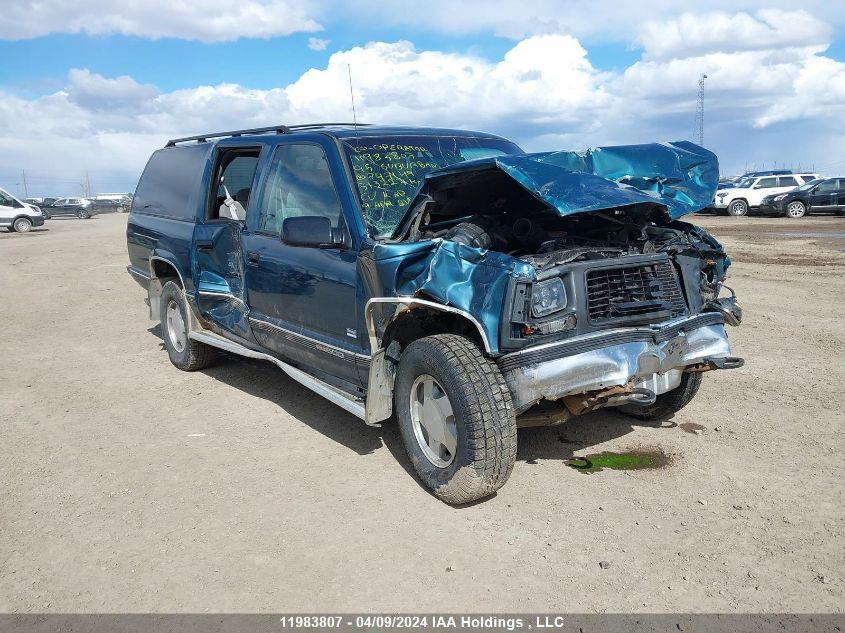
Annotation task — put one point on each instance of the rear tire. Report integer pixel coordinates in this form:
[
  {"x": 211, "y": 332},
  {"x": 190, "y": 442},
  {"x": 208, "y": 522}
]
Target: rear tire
[
  {"x": 83, "y": 215},
  {"x": 738, "y": 208},
  {"x": 795, "y": 209},
  {"x": 669, "y": 403},
  {"x": 446, "y": 389},
  {"x": 22, "y": 225},
  {"x": 185, "y": 353}
]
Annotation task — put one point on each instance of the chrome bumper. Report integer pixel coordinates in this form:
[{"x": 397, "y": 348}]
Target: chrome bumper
[{"x": 652, "y": 358}]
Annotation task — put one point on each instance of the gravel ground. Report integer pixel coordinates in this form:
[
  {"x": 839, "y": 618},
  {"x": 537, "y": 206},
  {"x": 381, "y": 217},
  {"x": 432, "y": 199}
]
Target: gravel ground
[{"x": 128, "y": 485}]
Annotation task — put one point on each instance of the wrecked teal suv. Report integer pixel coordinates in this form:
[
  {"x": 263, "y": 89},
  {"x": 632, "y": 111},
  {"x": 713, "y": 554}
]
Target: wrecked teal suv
[{"x": 441, "y": 278}]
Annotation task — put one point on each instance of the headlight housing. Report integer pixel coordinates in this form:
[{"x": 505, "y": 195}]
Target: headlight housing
[
  {"x": 780, "y": 197},
  {"x": 547, "y": 297}
]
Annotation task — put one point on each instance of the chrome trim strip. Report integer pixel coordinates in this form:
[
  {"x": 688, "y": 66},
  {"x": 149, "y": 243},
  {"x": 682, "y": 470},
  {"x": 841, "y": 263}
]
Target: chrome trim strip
[
  {"x": 296, "y": 335},
  {"x": 408, "y": 303},
  {"x": 137, "y": 272},
  {"x": 317, "y": 386}
]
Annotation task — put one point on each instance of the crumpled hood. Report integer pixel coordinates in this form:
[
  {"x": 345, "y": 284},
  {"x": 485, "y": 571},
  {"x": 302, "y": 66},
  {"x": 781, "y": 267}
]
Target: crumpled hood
[{"x": 680, "y": 176}]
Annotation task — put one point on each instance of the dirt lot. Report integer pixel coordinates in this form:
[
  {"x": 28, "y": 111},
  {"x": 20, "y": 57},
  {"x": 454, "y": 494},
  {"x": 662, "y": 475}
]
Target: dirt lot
[{"x": 128, "y": 485}]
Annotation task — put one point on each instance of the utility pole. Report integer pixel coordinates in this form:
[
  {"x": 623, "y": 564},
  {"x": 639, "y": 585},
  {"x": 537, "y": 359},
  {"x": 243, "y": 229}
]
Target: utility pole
[
  {"x": 699, "y": 110},
  {"x": 86, "y": 186},
  {"x": 25, "y": 190}
]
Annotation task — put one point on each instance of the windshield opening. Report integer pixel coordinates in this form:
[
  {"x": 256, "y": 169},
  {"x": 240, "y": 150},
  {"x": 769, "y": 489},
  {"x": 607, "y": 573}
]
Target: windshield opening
[{"x": 389, "y": 170}]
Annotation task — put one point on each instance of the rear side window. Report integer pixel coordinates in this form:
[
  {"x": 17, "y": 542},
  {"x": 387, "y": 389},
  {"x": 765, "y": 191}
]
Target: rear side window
[
  {"x": 787, "y": 181},
  {"x": 170, "y": 182},
  {"x": 767, "y": 182}
]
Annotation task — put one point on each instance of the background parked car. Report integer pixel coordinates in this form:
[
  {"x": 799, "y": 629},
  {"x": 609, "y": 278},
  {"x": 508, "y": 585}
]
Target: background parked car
[
  {"x": 824, "y": 194},
  {"x": 749, "y": 193},
  {"x": 111, "y": 202},
  {"x": 80, "y": 207},
  {"x": 18, "y": 216},
  {"x": 41, "y": 203}
]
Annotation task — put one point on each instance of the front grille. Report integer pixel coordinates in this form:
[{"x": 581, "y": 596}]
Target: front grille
[{"x": 634, "y": 293}]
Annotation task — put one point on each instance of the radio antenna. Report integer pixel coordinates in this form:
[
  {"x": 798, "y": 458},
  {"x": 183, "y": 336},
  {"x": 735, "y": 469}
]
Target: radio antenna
[{"x": 352, "y": 96}]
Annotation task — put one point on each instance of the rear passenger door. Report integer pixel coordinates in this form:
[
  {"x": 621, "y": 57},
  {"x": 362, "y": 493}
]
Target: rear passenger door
[
  {"x": 303, "y": 302},
  {"x": 217, "y": 262}
]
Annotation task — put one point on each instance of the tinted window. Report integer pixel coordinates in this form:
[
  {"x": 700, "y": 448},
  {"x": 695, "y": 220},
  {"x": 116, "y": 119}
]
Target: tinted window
[
  {"x": 787, "y": 181},
  {"x": 299, "y": 183},
  {"x": 170, "y": 182},
  {"x": 767, "y": 182},
  {"x": 826, "y": 186},
  {"x": 237, "y": 178}
]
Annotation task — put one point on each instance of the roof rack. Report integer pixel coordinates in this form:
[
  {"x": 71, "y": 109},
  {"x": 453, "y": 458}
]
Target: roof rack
[{"x": 276, "y": 129}]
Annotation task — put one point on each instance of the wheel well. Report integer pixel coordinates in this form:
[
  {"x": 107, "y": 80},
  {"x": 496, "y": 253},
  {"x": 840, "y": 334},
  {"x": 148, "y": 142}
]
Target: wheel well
[
  {"x": 418, "y": 323},
  {"x": 161, "y": 269}
]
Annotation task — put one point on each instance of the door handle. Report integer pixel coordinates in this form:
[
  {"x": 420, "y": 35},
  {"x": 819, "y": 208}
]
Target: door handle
[
  {"x": 205, "y": 245},
  {"x": 253, "y": 257}
]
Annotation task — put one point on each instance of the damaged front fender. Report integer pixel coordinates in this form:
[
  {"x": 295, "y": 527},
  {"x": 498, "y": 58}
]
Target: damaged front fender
[{"x": 467, "y": 280}]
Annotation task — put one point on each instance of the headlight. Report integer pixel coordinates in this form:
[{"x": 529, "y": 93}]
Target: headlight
[
  {"x": 721, "y": 195},
  {"x": 547, "y": 297},
  {"x": 780, "y": 197}
]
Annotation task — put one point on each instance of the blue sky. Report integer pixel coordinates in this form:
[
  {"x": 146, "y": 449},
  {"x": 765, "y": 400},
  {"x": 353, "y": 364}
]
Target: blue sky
[{"x": 93, "y": 87}]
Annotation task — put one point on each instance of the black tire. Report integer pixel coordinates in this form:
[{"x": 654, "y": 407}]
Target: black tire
[
  {"x": 193, "y": 355},
  {"x": 795, "y": 209},
  {"x": 668, "y": 404},
  {"x": 22, "y": 225},
  {"x": 738, "y": 208},
  {"x": 83, "y": 215},
  {"x": 484, "y": 417}
]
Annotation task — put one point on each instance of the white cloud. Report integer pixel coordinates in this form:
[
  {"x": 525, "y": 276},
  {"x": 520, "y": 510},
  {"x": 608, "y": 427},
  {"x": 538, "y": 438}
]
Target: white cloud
[
  {"x": 316, "y": 44},
  {"x": 543, "y": 92},
  {"x": 207, "y": 21},
  {"x": 693, "y": 35}
]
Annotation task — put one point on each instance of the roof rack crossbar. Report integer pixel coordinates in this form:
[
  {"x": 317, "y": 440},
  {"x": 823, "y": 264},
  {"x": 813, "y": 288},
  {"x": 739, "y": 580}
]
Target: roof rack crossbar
[{"x": 278, "y": 129}]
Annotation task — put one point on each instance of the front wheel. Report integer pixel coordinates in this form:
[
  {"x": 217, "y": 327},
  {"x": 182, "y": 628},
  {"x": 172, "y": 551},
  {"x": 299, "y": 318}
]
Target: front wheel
[
  {"x": 185, "y": 353},
  {"x": 738, "y": 208},
  {"x": 22, "y": 225},
  {"x": 796, "y": 209},
  {"x": 667, "y": 404},
  {"x": 83, "y": 215},
  {"x": 456, "y": 418}
]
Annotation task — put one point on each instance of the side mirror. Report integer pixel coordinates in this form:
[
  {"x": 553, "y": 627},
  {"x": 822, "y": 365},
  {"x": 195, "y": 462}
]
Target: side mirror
[
  {"x": 758, "y": 186},
  {"x": 311, "y": 230}
]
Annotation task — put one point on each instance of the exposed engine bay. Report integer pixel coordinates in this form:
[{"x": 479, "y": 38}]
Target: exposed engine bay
[{"x": 548, "y": 242}]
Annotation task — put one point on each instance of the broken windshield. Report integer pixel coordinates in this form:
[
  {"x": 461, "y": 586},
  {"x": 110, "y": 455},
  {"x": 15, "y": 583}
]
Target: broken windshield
[{"x": 389, "y": 170}]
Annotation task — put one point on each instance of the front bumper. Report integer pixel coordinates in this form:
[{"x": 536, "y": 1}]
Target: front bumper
[
  {"x": 770, "y": 206},
  {"x": 649, "y": 357},
  {"x": 37, "y": 220}
]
